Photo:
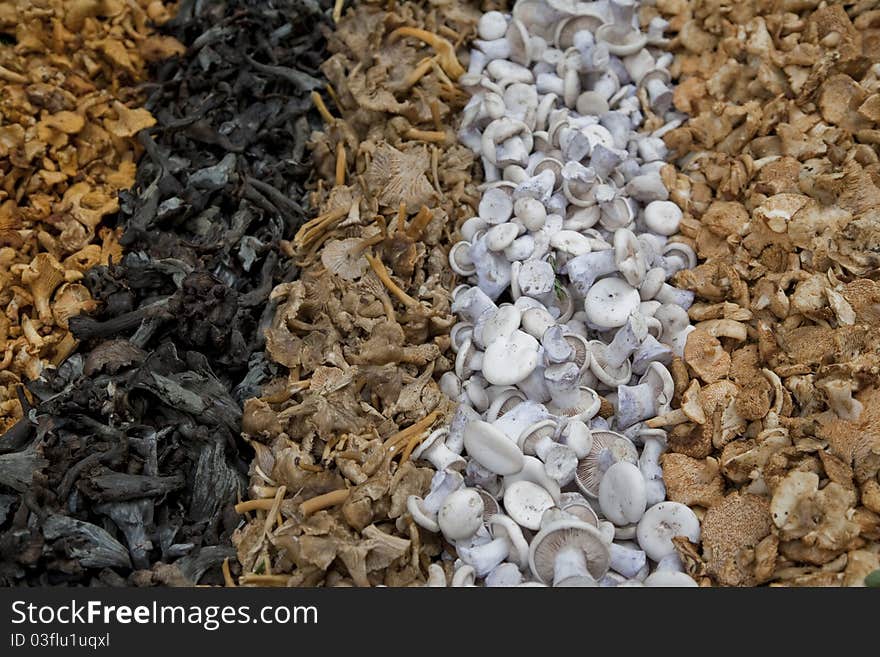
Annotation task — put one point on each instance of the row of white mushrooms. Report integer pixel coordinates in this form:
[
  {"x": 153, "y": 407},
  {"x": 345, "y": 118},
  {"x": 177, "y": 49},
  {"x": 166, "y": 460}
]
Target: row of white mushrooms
[{"x": 550, "y": 471}]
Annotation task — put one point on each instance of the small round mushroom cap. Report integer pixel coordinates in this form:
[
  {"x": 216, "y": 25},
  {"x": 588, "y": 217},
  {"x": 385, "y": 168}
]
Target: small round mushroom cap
[
  {"x": 490, "y": 448},
  {"x": 507, "y": 361},
  {"x": 578, "y": 436},
  {"x": 531, "y": 212},
  {"x": 526, "y": 502},
  {"x": 610, "y": 302},
  {"x": 670, "y": 579},
  {"x": 534, "y": 434},
  {"x": 503, "y": 526},
  {"x": 622, "y": 494},
  {"x": 581, "y": 510},
  {"x": 495, "y": 206},
  {"x": 608, "y": 448},
  {"x": 507, "y": 399},
  {"x": 461, "y": 514},
  {"x": 661, "y": 523},
  {"x": 535, "y": 321},
  {"x": 492, "y": 25},
  {"x": 662, "y": 217},
  {"x": 562, "y": 535},
  {"x": 501, "y": 324},
  {"x": 501, "y": 236}
]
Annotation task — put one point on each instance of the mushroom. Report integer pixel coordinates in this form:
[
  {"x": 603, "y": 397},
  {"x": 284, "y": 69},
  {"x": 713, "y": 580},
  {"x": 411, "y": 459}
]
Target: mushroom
[
  {"x": 559, "y": 460},
  {"x": 436, "y": 576},
  {"x": 622, "y": 493},
  {"x": 424, "y": 511},
  {"x": 569, "y": 553},
  {"x": 434, "y": 450},
  {"x": 610, "y": 302},
  {"x": 654, "y": 441},
  {"x": 534, "y": 471},
  {"x": 504, "y": 575},
  {"x": 662, "y": 217},
  {"x": 461, "y": 514},
  {"x": 492, "y": 449},
  {"x": 608, "y": 448},
  {"x": 627, "y": 560},
  {"x": 661, "y": 523},
  {"x": 526, "y": 502},
  {"x": 508, "y": 360},
  {"x": 577, "y": 435},
  {"x": 507, "y": 543},
  {"x": 669, "y": 579}
]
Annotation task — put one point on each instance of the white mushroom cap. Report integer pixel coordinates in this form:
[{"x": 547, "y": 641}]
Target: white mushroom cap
[
  {"x": 578, "y": 436},
  {"x": 492, "y": 25},
  {"x": 501, "y": 236},
  {"x": 436, "y": 576},
  {"x": 669, "y": 578},
  {"x": 610, "y": 301},
  {"x": 501, "y": 324},
  {"x": 507, "y": 361},
  {"x": 535, "y": 321},
  {"x": 504, "y": 575},
  {"x": 496, "y": 206},
  {"x": 526, "y": 502},
  {"x": 531, "y": 212},
  {"x": 662, "y": 217},
  {"x": 563, "y": 535},
  {"x": 622, "y": 494},
  {"x": 661, "y": 523},
  {"x": 490, "y": 448},
  {"x": 461, "y": 514}
]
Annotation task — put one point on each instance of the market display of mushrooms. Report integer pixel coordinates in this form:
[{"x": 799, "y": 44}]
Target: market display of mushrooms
[
  {"x": 566, "y": 315},
  {"x": 567, "y": 293}
]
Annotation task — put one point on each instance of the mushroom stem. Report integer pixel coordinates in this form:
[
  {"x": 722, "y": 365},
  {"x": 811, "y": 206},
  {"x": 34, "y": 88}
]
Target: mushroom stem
[
  {"x": 379, "y": 268},
  {"x": 227, "y": 576},
  {"x": 445, "y": 50},
  {"x": 669, "y": 419},
  {"x": 569, "y": 562},
  {"x": 263, "y": 504},
  {"x": 324, "y": 501},
  {"x": 417, "y": 73},
  {"x": 484, "y": 558},
  {"x": 436, "y": 576},
  {"x": 411, "y": 445},
  {"x": 322, "y": 108},
  {"x": 313, "y": 229},
  {"x": 425, "y": 135},
  {"x": 264, "y": 580},
  {"x": 340, "y": 164},
  {"x": 419, "y": 223},
  {"x": 337, "y": 10},
  {"x": 416, "y": 428}
]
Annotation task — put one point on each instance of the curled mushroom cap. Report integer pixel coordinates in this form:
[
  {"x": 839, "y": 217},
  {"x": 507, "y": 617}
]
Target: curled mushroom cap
[
  {"x": 569, "y": 552},
  {"x": 663, "y": 522}
]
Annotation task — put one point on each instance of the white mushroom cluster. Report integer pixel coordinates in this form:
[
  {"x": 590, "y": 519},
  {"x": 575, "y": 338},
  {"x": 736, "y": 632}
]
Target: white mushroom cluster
[{"x": 566, "y": 308}]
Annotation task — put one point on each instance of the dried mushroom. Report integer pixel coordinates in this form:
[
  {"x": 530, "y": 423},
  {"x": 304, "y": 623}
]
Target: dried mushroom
[
  {"x": 69, "y": 116},
  {"x": 363, "y": 335},
  {"x": 777, "y": 170}
]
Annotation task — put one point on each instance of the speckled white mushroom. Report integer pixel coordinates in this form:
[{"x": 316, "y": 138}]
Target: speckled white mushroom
[
  {"x": 461, "y": 514},
  {"x": 526, "y": 502},
  {"x": 610, "y": 302},
  {"x": 509, "y": 360},
  {"x": 661, "y": 523}
]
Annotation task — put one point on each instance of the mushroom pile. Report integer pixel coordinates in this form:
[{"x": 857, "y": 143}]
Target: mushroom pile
[
  {"x": 549, "y": 471},
  {"x": 776, "y": 443},
  {"x": 361, "y": 337},
  {"x": 69, "y": 113}
]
